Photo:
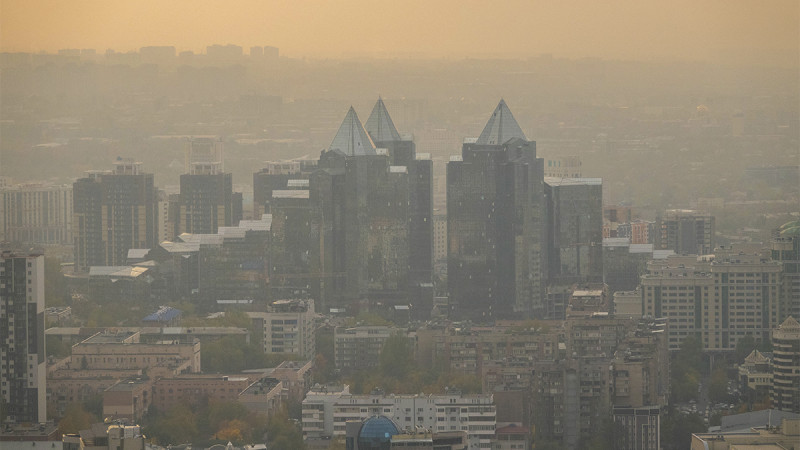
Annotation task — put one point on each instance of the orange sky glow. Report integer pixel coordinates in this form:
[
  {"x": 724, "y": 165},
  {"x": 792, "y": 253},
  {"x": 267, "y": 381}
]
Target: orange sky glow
[{"x": 711, "y": 30}]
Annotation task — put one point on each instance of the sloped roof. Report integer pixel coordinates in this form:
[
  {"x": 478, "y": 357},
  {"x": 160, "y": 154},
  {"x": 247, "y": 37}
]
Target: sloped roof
[
  {"x": 756, "y": 357},
  {"x": 379, "y": 125},
  {"x": 164, "y": 314},
  {"x": 352, "y": 139},
  {"x": 501, "y": 127},
  {"x": 789, "y": 324}
]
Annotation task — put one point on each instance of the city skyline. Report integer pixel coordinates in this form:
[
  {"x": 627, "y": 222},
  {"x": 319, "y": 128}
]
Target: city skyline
[{"x": 716, "y": 31}]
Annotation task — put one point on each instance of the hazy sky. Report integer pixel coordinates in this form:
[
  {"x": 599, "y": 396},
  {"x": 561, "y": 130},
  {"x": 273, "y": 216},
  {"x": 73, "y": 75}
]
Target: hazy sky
[{"x": 643, "y": 29}]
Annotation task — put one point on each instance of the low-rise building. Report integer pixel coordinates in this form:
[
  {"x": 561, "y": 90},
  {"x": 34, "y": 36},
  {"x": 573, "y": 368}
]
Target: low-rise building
[
  {"x": 786, "y": 436},
  {"x": 755, "y": 376},
  {"x": 127, "y": 399},
  {"x": 123, "y": 350},
  {"x": 102, "y": 436},
  {"x": 264, "y": 396},
  {"x": 451, "y": 412},
  {"x": 191, "y": 389}
]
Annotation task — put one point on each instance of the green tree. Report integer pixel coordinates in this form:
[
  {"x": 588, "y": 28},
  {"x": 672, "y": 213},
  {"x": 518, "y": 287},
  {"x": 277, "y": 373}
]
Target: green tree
[
  {"x": 396, "y": 359},
  {"x": 94, "y": 404},
  {"x": 283, "y": 433},
  {"x": 220, "y": 412},
  {"x": 223, "y": 355},
  {"x": 744, "y": 347},
  {"x": 324, "y": 367},
  {"x": 690, "y": 354},
  {"x": 718, "y": 386},
  {"x": 181, "y": 424},
  {"x": 54, "y": 346},
  {"x": 76, "y": 418},
  {"x": 677, "y": 429},
  {"x": 55, "y": 286}
]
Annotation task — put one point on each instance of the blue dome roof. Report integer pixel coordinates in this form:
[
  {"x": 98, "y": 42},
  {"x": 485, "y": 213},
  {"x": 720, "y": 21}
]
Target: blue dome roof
[{"x": 378, "y": 429}]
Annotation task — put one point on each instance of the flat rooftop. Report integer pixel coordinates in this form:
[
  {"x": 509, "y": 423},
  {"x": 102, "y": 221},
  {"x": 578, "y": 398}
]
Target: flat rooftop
[
  {"x": 558, "y": 181},
  {"x": 109, "y": 337}
]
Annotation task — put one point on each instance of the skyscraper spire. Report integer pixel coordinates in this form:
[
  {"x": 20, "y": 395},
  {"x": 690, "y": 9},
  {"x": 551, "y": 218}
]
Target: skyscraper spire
[
  {"x": 501, "y": 127},
  {"x": 352, "y": 139},
  {"x": 379, "y": 125}
]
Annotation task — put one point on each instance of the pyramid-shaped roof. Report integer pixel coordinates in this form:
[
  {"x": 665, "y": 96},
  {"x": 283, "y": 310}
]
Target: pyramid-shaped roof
[
  {"x": 379, "y": 125},
  {"x": 789, "y": 324},
  {"x": 756, "y": 357},
  {"x": 352, "y": 139},
  {"x": 501, "y": 127}
]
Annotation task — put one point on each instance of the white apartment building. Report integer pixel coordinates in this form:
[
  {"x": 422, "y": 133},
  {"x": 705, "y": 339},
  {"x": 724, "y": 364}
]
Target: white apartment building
[
  {"x": 327, "y": 411},
  {"x": 288, "y": 327}
]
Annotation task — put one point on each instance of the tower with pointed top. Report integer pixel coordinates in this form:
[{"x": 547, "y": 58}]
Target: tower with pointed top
[
  {"x": 402, "y": 153},
  {"x": 372, "y": 205},
  {"x": 496, "y": 224}
]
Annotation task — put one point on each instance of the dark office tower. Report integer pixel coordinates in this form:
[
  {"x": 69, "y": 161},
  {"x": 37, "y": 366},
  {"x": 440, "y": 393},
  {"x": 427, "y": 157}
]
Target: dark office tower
[
  {"x": 343, "y": 190},
  {"x": 22, "y": 354},
  {"x": 87, "y": 221},
  {"x": 114, "y": 211},
  {"x": 402, "y": 152},
  {"x": 206, "y": 201},
  {"x": 381, "y": 129},
  {"x": 496, "y": 218},
  {"x": 365, "y": 204},
  {"x": 685, "y": 232},
  {"x": 279, "y": 175},
  {"x": 575, "y": 230},
  {"x": 293, "y": 243}
]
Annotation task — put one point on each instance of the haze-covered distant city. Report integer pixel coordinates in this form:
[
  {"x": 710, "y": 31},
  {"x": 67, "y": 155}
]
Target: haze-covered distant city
[{"x": 447, "y": 225}]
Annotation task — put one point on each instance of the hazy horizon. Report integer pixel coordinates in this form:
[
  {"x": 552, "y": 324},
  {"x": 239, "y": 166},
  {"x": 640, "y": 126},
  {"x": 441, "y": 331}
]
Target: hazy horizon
[{"x": 713, "y": 31}]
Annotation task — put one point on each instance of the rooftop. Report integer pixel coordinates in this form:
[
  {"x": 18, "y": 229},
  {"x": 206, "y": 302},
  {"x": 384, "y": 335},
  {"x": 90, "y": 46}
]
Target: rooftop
[
  {"x": 164, "y": 314},
  {"x": 557, "y": 181},
  {"x": 379, "y": 125},
  {"x": 352, "y": 139},
  {"x": 501, "y": 127},
  {"x": 292, "y": 193}
]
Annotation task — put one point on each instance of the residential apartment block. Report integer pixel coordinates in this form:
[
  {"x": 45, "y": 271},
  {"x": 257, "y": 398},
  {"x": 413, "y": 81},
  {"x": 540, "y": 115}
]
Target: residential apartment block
[
  {"x": 36, "y": 214},
  {"x": 113, "y": 211},
  {"x": 359, "y": 348},
  {"x": 288, "y": 327},
  {"x": 786, "y": 366},
  {"x": 685, "y": 232},
  {"x": 325, "y": 414},
  {"x": 22, "y": 354},
  {"x": 720, "y": 298}
]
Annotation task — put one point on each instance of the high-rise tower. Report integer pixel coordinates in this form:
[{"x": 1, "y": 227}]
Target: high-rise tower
[
  {"x": 22, "y": 354},
  {"x": 114, "y": 211},
  {"x": 206, "y": 200},
  {"x": 374, "y": 205},
  {"x": 496, "y": 222},
  {"x": 402, "y": 153}
]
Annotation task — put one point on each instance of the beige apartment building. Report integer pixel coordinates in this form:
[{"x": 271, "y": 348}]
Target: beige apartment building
[
  {"x": 109, "y": 350},
  {"x": 719, "y": 298}
]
